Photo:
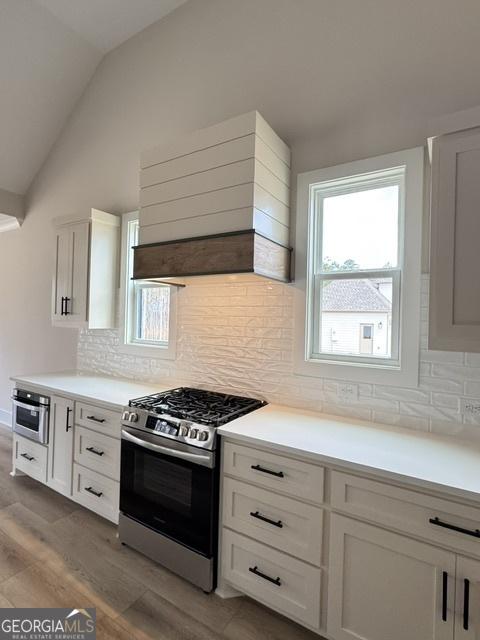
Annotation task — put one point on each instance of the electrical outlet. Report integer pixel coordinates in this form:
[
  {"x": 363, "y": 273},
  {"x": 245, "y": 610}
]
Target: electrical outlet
[
  {"x": 347, "y": 392},
  {"x": 470, "y": 407}
]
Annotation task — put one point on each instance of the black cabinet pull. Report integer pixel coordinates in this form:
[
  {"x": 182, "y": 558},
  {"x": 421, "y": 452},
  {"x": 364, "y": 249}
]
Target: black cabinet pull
[
  {"x": 98, "y": 494},
  {"x": 466, "y": 603},
  {"x": 95, "y": 451},
  {"x": 67, "y": 425},
  {"x": 66, "y": 311},
  {"x": 258, "y": 573},
  {"x": 453, "y": 527},
  {"x": 62, "y": 312},
  {"x": 258, "y": 515},
  {"x": 277, "y": 474},
  {"x": 101, "y": 420},
  {"x": 27, "y": 457},
  {"x": 444, "y": 596}
]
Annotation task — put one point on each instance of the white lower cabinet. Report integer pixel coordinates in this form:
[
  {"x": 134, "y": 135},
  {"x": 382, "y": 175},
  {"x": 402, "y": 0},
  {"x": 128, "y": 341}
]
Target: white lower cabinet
[
  {"x": 279, "y": 581},
  {"x": 386, "y": 586},
  {"x": 30, "y": 457},
  {"x": 60, "y": 445},
  {"x": 467, "y": 601},
  {"x": 96, "y": 492}
]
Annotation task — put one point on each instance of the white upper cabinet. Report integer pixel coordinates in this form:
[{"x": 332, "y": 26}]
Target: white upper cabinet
[
  {"x": 85, "y": 271},
  {"x": 455, "y": 238}
]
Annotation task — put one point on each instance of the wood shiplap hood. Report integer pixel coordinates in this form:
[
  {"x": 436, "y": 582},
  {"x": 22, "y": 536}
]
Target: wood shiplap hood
[{"x": 216, "y": 202}]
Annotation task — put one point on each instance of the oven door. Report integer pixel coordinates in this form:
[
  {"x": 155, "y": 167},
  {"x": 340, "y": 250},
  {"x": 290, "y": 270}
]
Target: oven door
[
  {"x": 30, "y": 420},
  {"x": 170, "y": 487}
]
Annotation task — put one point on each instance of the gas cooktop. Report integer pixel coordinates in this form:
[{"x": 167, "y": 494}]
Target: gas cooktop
[{"x": 197, "y": 405}]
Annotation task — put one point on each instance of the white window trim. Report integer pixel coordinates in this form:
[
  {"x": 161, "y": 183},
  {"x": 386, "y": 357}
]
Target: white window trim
[
  {"x": 407, "y": 373},
  {"x": 167, "y": 352}
]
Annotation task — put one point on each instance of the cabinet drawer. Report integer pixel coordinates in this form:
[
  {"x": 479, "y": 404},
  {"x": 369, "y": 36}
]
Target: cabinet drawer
[
  {"x": 293, "y": 477},
  {"x": 97, "y": 452},
  {"x": 31, "y": 457},
  {"x": 96, "y": 492},
  {"x": 407, "y": 511},
  {"x": 101, "y": 420},
  {"x": 288, "y": 585},
  {"x": 283, "y": 523}
]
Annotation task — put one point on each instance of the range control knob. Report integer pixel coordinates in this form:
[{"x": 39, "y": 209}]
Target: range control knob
[
  {"x": 193, "y": 433},
  {"x": 125, "y": 415},
  {"x": 183, "y": 431},
  {"x": 133, "y": 417},
  {"x": 203, "y": 435}
]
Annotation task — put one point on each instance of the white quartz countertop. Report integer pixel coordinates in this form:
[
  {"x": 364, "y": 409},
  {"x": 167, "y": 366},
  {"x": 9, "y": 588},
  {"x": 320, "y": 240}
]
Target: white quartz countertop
[
  {"x": 441, "y": 463},
  {"x": 108, "y": 391}
]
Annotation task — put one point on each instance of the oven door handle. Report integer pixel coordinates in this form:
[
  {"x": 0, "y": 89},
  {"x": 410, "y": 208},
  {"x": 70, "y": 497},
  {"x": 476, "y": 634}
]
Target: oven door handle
[
  {"x": 205, "y": 460},
  {"x": 30, "y": 407}
]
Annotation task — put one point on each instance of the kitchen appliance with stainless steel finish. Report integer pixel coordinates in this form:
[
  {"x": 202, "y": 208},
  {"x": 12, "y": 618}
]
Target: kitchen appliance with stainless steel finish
[
  {"x": 30, "y": 415},
  {"x": 169, "y": 478}
]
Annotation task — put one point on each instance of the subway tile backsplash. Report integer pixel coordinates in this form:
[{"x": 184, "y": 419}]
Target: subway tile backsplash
[{"x": 238, "y": 337}]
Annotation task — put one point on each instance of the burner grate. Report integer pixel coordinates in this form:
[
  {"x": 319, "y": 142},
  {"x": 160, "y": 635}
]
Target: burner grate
[{"x": 205, "y": 407}]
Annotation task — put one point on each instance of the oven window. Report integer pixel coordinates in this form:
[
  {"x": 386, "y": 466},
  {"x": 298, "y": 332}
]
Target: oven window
[
  {"x": 163, "y": 482},
  {"x": 27, "y": 418},
  {"x": 173, "y": 496}
]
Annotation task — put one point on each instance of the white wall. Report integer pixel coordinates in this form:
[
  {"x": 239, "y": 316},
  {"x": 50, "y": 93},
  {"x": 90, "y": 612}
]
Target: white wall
[
  {"x": 346, "y": 326},
  {"x": 338, "y": 80}
]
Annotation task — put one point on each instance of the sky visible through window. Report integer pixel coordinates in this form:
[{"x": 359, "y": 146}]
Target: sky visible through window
[{"x": 362, "y": 227}]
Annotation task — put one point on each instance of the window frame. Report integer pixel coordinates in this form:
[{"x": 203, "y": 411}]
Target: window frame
[
  {"x": 128, "y": 306},
  {"x": 403, "y": 370}
]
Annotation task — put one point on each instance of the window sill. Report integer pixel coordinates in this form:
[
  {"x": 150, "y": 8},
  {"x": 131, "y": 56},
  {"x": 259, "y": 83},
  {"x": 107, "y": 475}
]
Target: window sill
[{"x": 148, "y": 351}]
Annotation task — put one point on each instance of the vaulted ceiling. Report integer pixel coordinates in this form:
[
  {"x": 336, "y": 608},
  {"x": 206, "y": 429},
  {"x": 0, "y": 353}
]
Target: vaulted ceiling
[{"x": 49, "y": 50}]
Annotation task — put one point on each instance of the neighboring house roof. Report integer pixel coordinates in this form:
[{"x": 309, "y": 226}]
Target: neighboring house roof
[{"x": 353, "y": 295}]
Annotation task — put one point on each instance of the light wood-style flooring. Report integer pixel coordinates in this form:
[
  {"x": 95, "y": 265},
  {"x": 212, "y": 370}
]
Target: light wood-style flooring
[{"x": 54, "y": 553}]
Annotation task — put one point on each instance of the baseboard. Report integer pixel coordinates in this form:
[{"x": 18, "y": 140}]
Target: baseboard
[{"x": 5, "y": 419}]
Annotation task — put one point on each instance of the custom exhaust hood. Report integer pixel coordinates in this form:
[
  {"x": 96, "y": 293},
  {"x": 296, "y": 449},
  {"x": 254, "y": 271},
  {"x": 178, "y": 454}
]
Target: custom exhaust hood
[{"x": 216, "y": 202}]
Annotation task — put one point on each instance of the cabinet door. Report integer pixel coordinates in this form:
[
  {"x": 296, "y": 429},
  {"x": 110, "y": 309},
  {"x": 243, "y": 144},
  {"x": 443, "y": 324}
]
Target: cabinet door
[
  {"x": 455, "y": 237},
  {"x": 63, "y": 252},
  {"x": 60, "y": 444},
  {"x": 77, "y": 285},
  {"x": 467, "y": 618},
  {"x": 383, "y": 585}
]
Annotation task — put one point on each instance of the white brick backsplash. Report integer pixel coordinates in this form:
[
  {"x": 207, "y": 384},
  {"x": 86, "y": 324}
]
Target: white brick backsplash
[
  {"x": 238, "y": 338},
  {"x": 472, "y": 389}
]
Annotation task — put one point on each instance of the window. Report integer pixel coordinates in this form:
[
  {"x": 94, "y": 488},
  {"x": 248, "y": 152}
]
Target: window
[
  {"x": 358, "y": 263},
  {"x": 148, "y": 307}
]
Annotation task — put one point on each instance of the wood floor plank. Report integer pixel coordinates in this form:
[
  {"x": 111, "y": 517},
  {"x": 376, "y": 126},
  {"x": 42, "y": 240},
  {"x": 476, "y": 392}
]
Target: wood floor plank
[
  {"x": 39, "y": 586},
  {"x": 209, "y": 609},
  {"x": 255, "y": 622},
  {"x": 151, "y": 617},
  {"x": 13, "y": 557}
]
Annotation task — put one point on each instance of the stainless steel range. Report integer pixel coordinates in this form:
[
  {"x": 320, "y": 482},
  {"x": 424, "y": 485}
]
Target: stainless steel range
[{"x": 169, "y": 477}]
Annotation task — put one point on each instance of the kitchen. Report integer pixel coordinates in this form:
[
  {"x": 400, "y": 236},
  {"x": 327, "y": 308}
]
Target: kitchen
[{"x": 262, "y": 421}]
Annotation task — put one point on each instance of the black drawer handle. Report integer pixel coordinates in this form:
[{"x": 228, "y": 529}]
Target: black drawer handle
[
  {"x": 452, "y": 527},
  {"x": 466, "y": 603},
  {"x": 258, "y": 573},
  {"x": 258, "y": 515},
  {"x": 98, "y": 494},
  {"x": 277, "y": 474},
  {"x": 444, "y": 595},
  {"x": 95, "y": 451},
  {"x": 27, "y": 457},
  {"x": 96, "y": 419}
]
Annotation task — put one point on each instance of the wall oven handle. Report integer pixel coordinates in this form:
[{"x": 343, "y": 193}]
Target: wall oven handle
[
  {"x": 197, "y": 458},
  {"x": 29, "y": 407}
]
